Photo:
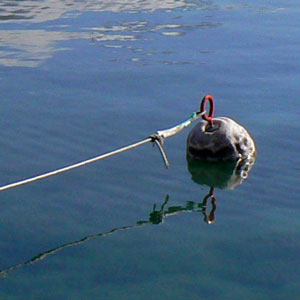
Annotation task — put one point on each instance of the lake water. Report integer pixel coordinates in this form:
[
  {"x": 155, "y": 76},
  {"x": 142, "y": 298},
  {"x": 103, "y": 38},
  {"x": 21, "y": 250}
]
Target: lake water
[{"x": 81, "y": 78}]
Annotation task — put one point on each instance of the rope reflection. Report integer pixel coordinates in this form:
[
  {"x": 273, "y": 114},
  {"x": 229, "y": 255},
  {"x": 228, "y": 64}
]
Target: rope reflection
[{"x": 156, "y": 216}]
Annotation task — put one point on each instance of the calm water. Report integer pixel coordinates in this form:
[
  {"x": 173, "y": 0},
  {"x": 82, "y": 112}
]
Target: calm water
[{"x": 80, "y": 78}]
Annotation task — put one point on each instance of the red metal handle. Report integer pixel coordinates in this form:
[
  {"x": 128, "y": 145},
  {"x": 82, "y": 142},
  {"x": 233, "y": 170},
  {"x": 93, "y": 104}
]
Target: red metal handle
[{"x": 210, "y": 99}]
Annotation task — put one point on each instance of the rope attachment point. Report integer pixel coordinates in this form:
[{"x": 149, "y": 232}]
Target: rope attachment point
[
  {"x": 159, "y": 141},
  {"x": 159, "y": 137}
]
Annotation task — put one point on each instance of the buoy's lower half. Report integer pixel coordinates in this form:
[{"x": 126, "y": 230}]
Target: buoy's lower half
[{"x": 224, "y": 140}]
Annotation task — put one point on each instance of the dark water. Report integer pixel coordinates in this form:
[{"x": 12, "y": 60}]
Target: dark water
[{"x": 80, "y": 78}]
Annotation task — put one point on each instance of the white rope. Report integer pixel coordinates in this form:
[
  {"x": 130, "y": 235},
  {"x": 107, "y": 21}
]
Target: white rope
[
  {"x": 77, "y": 165},
  {"x": 163, "y": 134}
]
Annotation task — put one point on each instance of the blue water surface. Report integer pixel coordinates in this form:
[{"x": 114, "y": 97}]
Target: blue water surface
[{"x": 81, "y": 78}]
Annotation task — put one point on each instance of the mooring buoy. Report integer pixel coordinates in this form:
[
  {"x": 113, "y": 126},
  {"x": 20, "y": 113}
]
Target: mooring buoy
[{"x": 219, "y": 138}]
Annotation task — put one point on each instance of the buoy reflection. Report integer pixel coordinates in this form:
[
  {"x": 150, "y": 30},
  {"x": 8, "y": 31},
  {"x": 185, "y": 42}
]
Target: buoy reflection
[{"x": 220, "y": 175}]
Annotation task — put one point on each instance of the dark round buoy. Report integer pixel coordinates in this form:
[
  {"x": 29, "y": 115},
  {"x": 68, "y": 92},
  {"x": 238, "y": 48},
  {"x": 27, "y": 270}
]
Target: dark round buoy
[
  {"x": 219, "y": 138},
  {"x": 224, "y": 140}
]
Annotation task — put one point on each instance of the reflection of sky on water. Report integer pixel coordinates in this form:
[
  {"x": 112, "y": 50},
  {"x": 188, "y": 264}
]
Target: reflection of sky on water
[
  {"x": 47, "y": 10},
  {"x": 29, "y": 47},
  {"x": 28, "y": 41},
  {"x": 41, "y": 11}
]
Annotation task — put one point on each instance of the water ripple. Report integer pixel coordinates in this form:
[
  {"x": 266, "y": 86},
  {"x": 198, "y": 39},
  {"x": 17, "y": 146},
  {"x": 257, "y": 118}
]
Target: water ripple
[
  {"x": 31, "y": 47},
  {"x": 41, "y": 11},
  {"x": 28, "y": 41}
]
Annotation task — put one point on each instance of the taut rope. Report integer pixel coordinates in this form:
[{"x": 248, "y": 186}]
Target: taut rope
[{"x": 158, "y": 138}]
